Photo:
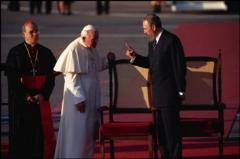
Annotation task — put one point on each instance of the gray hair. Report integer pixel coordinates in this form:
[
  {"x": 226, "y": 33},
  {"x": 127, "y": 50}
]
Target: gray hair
[{"x": 153, "y": 19}]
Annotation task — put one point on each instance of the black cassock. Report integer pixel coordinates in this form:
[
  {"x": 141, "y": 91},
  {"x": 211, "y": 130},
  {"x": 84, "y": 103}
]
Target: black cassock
[{"x": 26, "y": 133}]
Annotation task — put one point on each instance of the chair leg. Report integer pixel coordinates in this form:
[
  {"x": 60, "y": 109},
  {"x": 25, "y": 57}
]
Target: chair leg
[
  {"x": 111, "y": 149},
  {"x": 102, "y": 148},
  {"x": 102, "y": 151},
  {"x": 221, "y": 145},
  {"x": 150, "y": 147},
  {"x": 155, "y": 148}
]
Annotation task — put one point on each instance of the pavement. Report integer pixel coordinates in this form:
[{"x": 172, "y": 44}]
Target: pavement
[{"x": 123, "y": 24}]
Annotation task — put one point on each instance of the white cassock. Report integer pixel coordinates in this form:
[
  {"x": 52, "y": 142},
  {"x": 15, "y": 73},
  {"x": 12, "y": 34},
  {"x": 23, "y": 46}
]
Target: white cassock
[{"x": 80, "y": 67}]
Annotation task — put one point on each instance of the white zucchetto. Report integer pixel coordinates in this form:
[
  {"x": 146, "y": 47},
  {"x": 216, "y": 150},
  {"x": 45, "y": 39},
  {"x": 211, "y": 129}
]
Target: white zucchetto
[{"x": 87, "y": 28}]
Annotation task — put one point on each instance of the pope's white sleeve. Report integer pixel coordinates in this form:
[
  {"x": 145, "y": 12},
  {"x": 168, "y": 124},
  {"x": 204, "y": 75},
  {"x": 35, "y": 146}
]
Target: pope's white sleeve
[{"x": 74, "y": 85}]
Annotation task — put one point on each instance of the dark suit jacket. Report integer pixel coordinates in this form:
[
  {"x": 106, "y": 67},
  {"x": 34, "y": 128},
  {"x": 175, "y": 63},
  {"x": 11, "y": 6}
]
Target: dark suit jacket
[{"x": 167, "y": 70}]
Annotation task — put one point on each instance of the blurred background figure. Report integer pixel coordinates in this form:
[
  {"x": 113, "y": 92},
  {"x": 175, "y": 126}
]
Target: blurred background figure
[
  {"x": 60, "y": 7},
  {"x": 65, "y": 7},
  {"x": 14, "y": 5},
  {"x": 48, "y": 6},
  {"x": 68, "y": 7},
  {"x": 157, "y": 6},
  {"x": 232, "y": 6},
  {"x": 102, "y": 6},
  {"x": 35, "y": 4}
]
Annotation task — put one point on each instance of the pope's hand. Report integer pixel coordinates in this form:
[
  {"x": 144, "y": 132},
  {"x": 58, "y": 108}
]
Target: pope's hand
[
  {"x": 81, "y": 107},
  {"x": 111, "y": 56}
]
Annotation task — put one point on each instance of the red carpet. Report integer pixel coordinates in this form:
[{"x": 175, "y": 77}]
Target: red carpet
[{"x": 192, "y": 149}]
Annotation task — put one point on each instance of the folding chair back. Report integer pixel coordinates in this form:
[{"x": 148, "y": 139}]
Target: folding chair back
[
  {"x": 129, "y": 113},
  {"x": 203, "y": 97},
  {"x": 201, "y": 81}
]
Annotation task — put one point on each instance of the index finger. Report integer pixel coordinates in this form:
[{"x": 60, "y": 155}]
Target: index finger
[{"x": 128, "y": 47}]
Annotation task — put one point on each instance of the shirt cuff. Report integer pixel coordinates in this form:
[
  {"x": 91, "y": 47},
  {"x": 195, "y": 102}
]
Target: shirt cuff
[
  {"x": 132, "y": 59},
  {"x": 181, "y": 93}
]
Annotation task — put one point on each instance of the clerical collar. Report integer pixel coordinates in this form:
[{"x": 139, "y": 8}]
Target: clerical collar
[
  {"x": 30, "y": 46},
  {"x": 158, "y": 36}
]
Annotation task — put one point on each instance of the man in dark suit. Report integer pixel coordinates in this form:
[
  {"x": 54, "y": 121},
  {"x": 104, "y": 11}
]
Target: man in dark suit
[{"x": 167, "y": 71}]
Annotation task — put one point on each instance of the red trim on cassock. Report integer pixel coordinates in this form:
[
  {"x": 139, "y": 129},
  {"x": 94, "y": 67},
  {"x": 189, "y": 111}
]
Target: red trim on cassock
[
  {"x": 48, "y": 130},
  {"x": 36, "y": 82}
]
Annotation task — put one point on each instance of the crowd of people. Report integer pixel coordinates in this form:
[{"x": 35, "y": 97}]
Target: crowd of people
[
  {"x": 63, "y": 7},
  {"x": 103, "y": 6},
  {"x": 35, "y": 7}
]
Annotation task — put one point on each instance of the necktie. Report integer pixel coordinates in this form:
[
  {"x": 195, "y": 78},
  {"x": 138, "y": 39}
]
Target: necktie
[{"x": 154, "y": 44}]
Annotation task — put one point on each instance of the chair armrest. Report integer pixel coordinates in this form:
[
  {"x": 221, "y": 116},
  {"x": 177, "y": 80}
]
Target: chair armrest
[
  {"x": 203, "y": 107},
  {"x": 101, "y": 110},
  {"x": 154, "y": 109}
]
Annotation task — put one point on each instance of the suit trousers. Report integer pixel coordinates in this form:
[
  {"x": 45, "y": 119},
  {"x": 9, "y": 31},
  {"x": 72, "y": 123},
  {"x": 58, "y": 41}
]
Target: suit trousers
[{"x": 168, "y": 130}]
